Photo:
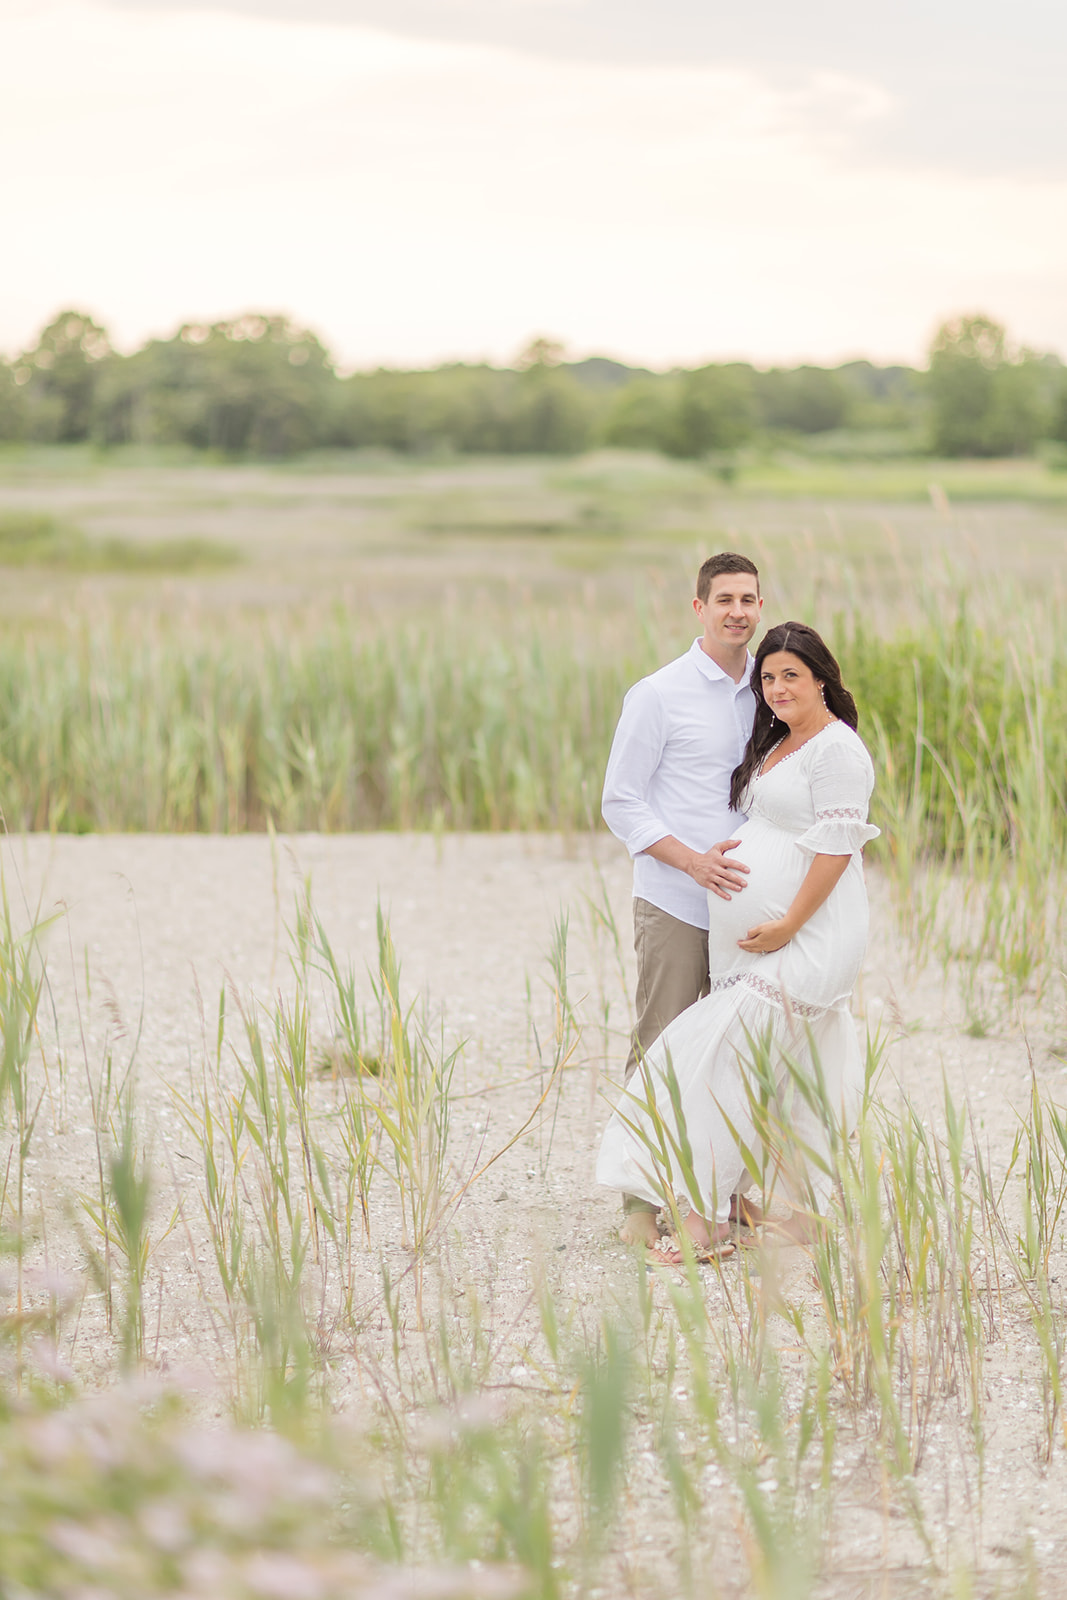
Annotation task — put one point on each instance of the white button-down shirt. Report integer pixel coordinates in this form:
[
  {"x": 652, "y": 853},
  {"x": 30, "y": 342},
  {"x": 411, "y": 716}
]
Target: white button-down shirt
[{"x": 682, "y": 732}]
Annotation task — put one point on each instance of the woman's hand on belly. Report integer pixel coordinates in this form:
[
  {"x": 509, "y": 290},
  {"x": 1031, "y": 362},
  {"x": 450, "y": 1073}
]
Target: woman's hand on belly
[
  {"x": 766, "y": 937},
  {"x": 821, "y": 879}
]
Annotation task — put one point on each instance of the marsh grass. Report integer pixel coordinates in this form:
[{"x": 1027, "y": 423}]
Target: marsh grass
[
  {"x": 30, "y": 538},
  {"x": 345, "y": 728},
  {"x": 342, "y": 727}
]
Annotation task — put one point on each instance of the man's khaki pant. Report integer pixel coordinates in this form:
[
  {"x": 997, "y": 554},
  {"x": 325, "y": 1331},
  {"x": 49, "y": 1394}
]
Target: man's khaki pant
[{"x": 672, "y": 973}]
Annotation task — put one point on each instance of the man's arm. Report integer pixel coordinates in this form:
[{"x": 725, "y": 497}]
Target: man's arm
[{"x": 635, "y": 754}]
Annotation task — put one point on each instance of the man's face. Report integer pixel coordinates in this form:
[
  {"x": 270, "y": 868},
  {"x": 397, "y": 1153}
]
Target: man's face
[{"x": 730, "y": 614}]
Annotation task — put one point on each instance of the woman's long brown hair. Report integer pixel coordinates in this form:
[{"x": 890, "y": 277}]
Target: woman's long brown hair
[{"x": 804, "y": 642}]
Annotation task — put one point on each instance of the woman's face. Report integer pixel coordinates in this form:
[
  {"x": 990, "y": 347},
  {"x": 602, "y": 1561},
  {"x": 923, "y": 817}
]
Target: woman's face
[{"x": 791, "y": 689}]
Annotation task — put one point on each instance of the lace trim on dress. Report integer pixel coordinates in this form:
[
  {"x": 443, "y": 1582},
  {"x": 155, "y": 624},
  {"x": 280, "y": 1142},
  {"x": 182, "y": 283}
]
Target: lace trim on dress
[
  {"x": 768, "y": 991},
  {"x": 842, "y": 814}
]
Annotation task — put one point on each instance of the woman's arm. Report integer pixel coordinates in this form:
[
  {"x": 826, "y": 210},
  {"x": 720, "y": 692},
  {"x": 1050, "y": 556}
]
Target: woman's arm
[{"x": 822, "y": 878}]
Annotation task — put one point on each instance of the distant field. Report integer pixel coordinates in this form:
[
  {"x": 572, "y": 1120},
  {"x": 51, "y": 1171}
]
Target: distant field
[{"x": 611, "y": 533}]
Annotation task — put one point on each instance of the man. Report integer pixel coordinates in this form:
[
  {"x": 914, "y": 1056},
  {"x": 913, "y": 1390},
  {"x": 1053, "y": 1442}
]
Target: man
[{"x": 667, "y": 797}]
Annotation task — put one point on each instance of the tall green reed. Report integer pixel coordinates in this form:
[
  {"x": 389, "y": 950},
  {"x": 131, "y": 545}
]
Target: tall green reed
[
  {"x": 565, "y": 1036},
  {"x": 342, "y": 726},
  {"x": 121, "y": 1214},
  {"x": 412, "y": 1107},
  {"x": 970, "y": 752},
  {"x": 332, "y": 728},
  {"x": 21, "y": 980},
  {"x": 347, "y": 727}
]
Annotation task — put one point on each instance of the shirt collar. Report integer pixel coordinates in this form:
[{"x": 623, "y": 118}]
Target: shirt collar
[{"x": 712, "y": 670}]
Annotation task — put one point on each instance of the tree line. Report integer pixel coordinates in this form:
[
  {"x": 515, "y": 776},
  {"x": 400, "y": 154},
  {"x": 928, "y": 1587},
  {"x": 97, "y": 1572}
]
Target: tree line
[{"x": 261, "y": 386}]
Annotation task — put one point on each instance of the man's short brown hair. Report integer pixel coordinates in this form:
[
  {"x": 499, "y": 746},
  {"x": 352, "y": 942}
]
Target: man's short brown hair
[{"x": 715, "y": 566}]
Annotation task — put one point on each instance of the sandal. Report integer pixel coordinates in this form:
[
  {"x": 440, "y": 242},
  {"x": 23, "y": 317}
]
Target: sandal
[{"x": 668, "y": 1252}]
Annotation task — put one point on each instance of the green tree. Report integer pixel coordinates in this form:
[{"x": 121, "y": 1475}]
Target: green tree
[
  {"x": 986, "y": 399},
  {"x": 12, "y": 411},
  {"x": 258, "y": 385},
  {"x": 551, "y": 414},
  {"x": 541, "y": 352},
  {"x": 548, "y": 411},
  {"x": 1058, "y": 411},
  {"x": 454, "y": 408},
  {"x": 641, "y": 415},
  {"x": 59, "y": 377},
  {"x": 713, "y": 412},
  {"x": 802, "y": 399}
]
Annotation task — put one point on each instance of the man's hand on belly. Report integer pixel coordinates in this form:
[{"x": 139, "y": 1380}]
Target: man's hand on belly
[
  {"x": 714, "y": 872},
  {"x": 709, "y": 868}
]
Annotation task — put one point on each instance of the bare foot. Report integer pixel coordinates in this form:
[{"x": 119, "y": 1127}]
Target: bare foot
[
  {"x": 639, "y": 1227},
  {"x": 797, "y": 1228},
  {"x": 745, "y": 1213},
  {"x": 709, "y": 1243}
]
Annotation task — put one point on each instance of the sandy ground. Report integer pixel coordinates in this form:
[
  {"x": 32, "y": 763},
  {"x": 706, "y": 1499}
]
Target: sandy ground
[{"x": 147, "y": 929}]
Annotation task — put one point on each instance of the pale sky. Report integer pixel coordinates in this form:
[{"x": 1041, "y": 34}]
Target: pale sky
[{"x": 425, "y": 179}]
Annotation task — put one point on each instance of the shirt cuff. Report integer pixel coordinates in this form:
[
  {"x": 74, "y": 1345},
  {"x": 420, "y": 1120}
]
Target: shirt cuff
[{"x": 649, "y": 833}]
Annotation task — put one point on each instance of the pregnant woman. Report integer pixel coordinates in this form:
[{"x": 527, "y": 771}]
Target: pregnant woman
[{"x": 784, "y": 955}]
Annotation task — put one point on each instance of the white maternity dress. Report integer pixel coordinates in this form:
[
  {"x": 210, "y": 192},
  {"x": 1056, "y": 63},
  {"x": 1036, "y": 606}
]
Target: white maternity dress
[{"x": 812, "y": 802}]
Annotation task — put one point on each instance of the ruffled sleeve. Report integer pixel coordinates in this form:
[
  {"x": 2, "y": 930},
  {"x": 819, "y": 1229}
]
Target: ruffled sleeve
[{"x": 842, "y": 778}]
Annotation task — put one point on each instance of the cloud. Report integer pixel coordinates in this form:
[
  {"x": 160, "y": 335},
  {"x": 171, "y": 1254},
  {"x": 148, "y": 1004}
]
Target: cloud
[
  {"x": 977, "y": 86},
  {"x": 414, "y": 199}
]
